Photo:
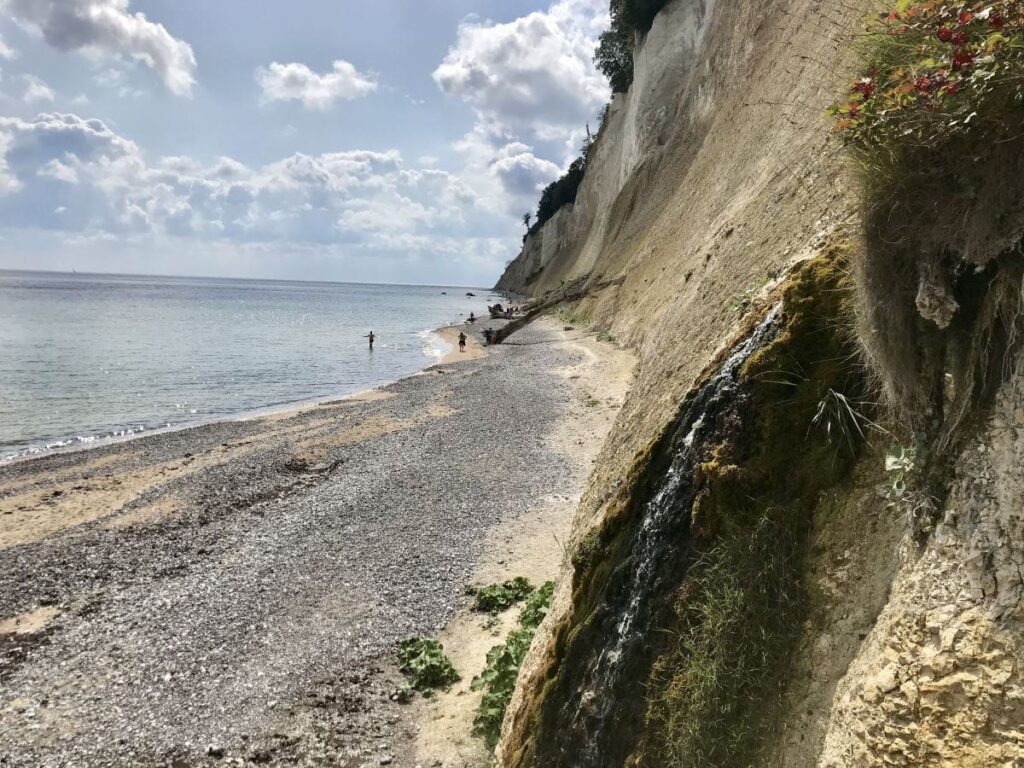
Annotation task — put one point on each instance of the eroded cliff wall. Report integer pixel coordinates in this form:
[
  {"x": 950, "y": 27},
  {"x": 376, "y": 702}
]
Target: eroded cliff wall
[{"x": 710, "y": 178}]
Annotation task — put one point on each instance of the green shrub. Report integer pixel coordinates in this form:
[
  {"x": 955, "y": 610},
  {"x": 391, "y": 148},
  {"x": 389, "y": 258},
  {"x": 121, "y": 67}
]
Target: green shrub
[
  {"x": 933, "y": 119},
  {"x": 500, "y": 597},
  {"x": 560, "y": 192},
  {"x": 614, "y": 54},
  {"x": 423, "y": 661},
  {"x": 941, "y": 95},
  {"x": 933, "y": 71},
  {"x": 498, "y": 680},
  {"x": 639, "y": 14}
]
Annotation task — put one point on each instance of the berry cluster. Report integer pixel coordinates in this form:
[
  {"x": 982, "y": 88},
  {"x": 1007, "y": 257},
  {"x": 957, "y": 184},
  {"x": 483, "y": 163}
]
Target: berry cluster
[{"x": 936, "y": 67}]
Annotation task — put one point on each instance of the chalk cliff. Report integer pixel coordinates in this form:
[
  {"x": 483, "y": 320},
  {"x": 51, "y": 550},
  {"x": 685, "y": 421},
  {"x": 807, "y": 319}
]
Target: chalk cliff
[{"x": 717, "y": 206}]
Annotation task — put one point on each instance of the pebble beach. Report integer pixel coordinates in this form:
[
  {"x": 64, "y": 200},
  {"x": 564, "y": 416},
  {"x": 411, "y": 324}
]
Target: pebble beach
[{"x": 233, "y": 593}]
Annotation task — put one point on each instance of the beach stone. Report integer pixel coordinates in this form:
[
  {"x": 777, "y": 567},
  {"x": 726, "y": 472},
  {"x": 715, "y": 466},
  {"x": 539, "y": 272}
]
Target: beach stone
[{"x": 208, "y": 609}]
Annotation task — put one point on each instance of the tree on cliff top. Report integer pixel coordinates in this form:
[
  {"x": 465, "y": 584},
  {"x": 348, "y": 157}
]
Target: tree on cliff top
[
  {"x": 639, "y": 14},
  {"x": 614, "y": 54}
]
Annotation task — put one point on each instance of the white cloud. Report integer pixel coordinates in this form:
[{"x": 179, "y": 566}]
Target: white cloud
[
  {"x": 533, "y": 88},
  {"x": 9, "y": 183},
  {"x": 505, "y": 175},
  {"x": 520, "y": 171},
  {"x": 107, "y": 28},
  {"x": 55, "y": 169},
  {"x": 6, "y": 52},
  {"x": 75, "y": 176},
  {"x": 533, "y": 76},
  {"x": 36, "y": 90},
  {"x": 297, "y": 82}
]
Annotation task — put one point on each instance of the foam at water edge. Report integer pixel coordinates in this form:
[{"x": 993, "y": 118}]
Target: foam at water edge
[
  {"x": 434, "y": 345},
  {"x": 77, "y": 441}
]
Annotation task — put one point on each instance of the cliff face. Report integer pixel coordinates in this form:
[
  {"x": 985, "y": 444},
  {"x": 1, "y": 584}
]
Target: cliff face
[{"x": 710, "y": 179}]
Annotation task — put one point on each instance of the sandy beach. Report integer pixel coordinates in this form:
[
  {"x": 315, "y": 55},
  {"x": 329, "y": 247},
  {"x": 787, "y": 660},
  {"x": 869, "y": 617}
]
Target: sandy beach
[{"x": 233, "y": 593}]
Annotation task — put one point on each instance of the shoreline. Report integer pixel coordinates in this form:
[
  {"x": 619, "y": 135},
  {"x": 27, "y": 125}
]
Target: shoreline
[
  {"x": 448, "y": 334},
  {"x": 260, "y": 557}
]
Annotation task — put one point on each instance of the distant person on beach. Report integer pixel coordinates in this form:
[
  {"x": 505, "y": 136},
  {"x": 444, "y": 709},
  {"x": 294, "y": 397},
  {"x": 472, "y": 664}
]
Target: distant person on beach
[
  {"x": 472, "y": 317},
  {"x": 462, "y": 342},
  {"x": 371, "y": 337}
]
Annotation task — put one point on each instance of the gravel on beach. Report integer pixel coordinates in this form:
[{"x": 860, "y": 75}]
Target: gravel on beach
[{"x": 254, "y": 620}]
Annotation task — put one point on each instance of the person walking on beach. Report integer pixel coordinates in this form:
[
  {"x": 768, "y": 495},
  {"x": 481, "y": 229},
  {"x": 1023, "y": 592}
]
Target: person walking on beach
[
  {"x": 371, "y": 337},
  {"x": 462, "y": 342}
]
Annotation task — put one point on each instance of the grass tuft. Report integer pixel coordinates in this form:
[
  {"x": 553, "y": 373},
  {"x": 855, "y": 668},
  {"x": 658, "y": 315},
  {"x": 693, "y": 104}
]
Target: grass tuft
[
  {"x": 935, "y": 128},
  {"x": 718, "y": 684}
]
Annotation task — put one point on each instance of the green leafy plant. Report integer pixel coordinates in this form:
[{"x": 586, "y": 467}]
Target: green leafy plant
[
  {"x": 614, "y": 53},
  {"x": 605, "y": 335},
  {"x": 900, "y": 463},
  {"x": 537, "y": 605},
  {"x": 498, "y": 680},
  {"x": 500, "y": 597},
  {"x": 423, "y": 661}
]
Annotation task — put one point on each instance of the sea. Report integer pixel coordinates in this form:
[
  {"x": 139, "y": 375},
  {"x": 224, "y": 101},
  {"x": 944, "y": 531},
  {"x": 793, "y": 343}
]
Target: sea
[{"x": 87, "y": 358}]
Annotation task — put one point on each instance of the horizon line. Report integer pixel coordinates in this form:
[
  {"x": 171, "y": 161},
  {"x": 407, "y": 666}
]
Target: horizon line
[{"x": 251, "y": 279}]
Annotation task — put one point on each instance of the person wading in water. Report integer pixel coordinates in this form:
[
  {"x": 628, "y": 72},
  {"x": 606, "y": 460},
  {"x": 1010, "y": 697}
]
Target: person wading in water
[
  {"x": 462, "y": 342},
  {"x": 371, "y": 337}
]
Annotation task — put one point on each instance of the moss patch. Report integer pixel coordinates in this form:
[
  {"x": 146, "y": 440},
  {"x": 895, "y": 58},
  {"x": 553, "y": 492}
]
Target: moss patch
[
  {"x": 739, "y": 615},
  {"x": 731, "y": 587},
  {"x": 716, "y": 691}
]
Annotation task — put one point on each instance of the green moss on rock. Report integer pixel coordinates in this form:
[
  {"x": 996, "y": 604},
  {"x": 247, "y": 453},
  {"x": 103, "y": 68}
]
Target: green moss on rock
[{"x": 717, "y": 656}]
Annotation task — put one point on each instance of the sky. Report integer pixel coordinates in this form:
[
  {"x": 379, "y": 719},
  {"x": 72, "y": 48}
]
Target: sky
[{"x": 377, "y": 141}]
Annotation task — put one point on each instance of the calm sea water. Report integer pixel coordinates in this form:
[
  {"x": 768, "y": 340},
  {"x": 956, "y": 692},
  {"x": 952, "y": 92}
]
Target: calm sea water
[{"x": 87, "y": 357}]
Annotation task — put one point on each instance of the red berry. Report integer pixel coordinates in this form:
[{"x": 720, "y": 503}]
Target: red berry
[
  {"x": 962, "y": 58},
  {"x": 965, "y": 17},
  {"x": 945, "y": 34}
]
